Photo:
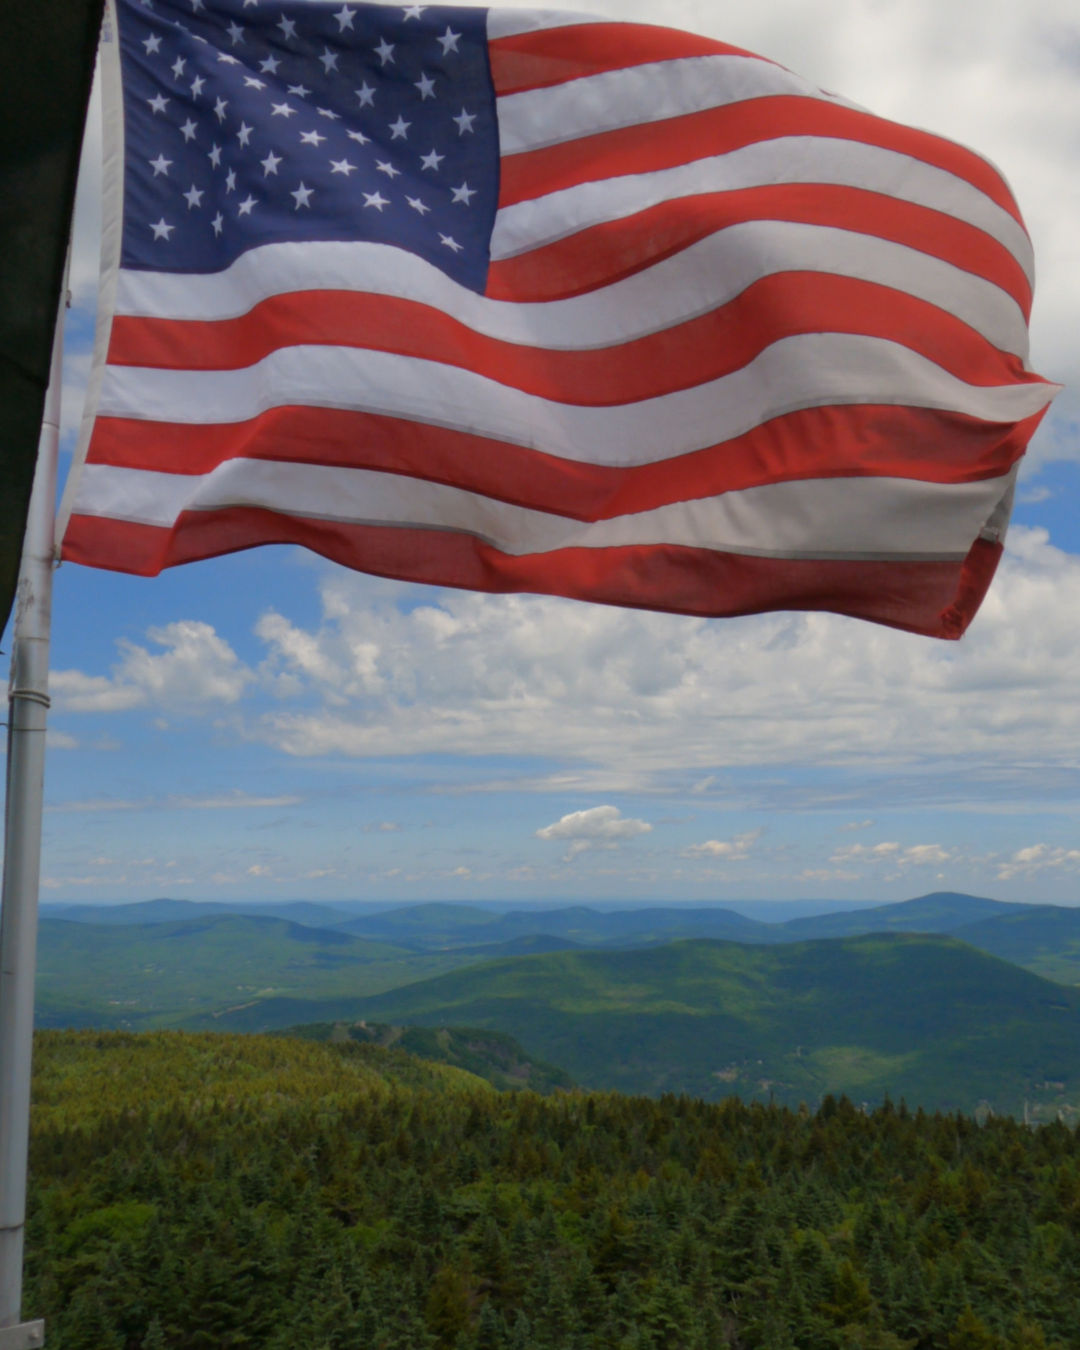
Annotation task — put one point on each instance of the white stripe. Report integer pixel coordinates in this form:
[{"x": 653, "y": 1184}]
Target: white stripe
[
  {"x": 690, "y": 283},
  {"x": 800, "y": 372},
  {"x": 510, "y": 22},
  {"x": 820, "y": 518},
  {"x": 789, "y": 159},
  {"x": 640, "y": 94}
]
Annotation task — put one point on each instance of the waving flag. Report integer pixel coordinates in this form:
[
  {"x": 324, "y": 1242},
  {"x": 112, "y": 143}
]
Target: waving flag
[{"x": 524, "y": 300}]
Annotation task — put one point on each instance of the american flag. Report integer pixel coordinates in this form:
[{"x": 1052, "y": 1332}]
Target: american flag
[{"x": 531, "y": 301}]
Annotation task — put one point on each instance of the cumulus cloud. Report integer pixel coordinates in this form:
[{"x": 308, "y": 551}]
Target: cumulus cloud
[
  {"x": 597, "y": 827},
  {"x": 1038, "y": 858},
  {"x": 628, "y": 696},
  {"x": 733, "y": 850},
  {"x": 896, "y": 855},
  {"x": 195, "y": 666}
]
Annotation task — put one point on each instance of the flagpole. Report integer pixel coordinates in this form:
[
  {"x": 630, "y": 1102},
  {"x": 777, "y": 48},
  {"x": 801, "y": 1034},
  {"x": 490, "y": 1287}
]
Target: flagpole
[{"x": 28, "y": 702}]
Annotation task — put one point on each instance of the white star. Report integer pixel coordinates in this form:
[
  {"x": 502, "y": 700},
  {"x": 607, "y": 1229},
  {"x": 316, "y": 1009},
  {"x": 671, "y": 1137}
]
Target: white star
[
  {"x": 464, "y": 121},
  {"x": 158, "y": 104},
  {"x": 219, "y": 109},
  {"x": 152, "y": 44},
  {"x": 431, "y": 161},
  {"x": 177, "y": 67},
  {"x": 342, "y": 166},
  {"x": 281, "y": 110},
  {"x": 328, "y": 60},
  {"x": 196, "y": 5},
  {"x": 270, "y": 65},
  {"x": 399, "y": 128},
  {"x": 463, "y": 193},
  {"x": 253, "y": 83},
  {"x": 366, "y": 95},
  {"x": 418, "y": 205},
  {"x": 426, "y": 85},
  {"x": 230, "y": 181},
  {"x": 270, "y": 163},
  {"x": 450, "y": 243},
  {"x": 414, "y": 11},
  {"x": 387, "y": 168},
  {"x": 298, "y": 90},
  {"x": 385, "y": 51},
  {"x": 326, "y": 112},
  {"x": 250, "y": 2},
  {"x": 359, "y": 137},
  {"x": 196, "y": 86},
  {"x": 188, "y": 130},
  {"x": 160, "y": 165},
  {"x": 287, "y": 26},
  {"x": 217, "y": 223},
  {"x": 162, "y": 230},
  {"x": 344, "y": 17},
  {"x": 235, "y": 32},
  {"x": 214, "y": 156},
  {"x": 193, "y": 196},
  {"x": 301, "y": 196},
  {"x": 244, "y": 134},
  {"x": 244, "y": 209},
  {"x": 311, "y": 138},
  {"x": 449, "y": 41},
  {"x": 227, "y": 60},
  {"x": 375, "y": 199}
]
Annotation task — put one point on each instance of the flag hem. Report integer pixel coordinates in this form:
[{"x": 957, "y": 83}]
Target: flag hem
[{"x": 112, "y": 224}]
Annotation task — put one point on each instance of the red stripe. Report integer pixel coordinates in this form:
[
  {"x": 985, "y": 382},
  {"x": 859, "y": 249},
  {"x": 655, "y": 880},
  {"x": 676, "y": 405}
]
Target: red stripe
[
  {"x": 553, "y": 56},
  {"x": 603, "y": 254},
  {"x": 651, "y": 146},
  {"x": 842, "y": 442},
  {"x": 937, "y": 599},
  {"x": 702, "y": 349}
]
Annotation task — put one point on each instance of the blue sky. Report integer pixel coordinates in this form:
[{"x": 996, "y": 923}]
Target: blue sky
[{"x": 268, "y": 726}]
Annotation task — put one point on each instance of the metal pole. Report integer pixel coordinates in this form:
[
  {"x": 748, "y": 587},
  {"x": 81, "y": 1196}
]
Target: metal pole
[{"x": 28, "y": 701}]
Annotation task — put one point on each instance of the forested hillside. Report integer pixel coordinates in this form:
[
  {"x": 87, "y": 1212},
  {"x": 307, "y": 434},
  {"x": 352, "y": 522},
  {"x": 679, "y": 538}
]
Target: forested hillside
[
  {"x": 199, "y": 1192},
  {"x": 927, "y": 1018}
]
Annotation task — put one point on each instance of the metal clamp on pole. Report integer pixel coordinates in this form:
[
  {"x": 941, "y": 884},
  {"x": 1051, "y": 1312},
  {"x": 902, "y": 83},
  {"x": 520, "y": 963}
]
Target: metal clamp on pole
[{"x": 26, "y": 1336}]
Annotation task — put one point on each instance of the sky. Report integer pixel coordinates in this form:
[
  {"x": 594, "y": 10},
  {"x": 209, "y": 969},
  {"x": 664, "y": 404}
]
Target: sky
[{"x": 269, "y": 726}]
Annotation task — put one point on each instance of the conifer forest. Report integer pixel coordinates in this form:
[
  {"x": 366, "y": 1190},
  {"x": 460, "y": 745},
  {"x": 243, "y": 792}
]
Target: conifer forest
[{"x": 218, "y": 1192}]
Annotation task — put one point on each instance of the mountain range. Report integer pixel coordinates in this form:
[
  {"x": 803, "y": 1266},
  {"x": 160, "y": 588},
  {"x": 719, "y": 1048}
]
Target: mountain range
[{"x": 947, "y": 1000}]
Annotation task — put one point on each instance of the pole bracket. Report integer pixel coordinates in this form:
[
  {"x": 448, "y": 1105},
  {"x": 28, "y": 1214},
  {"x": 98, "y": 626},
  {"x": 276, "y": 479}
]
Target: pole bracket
[
  {"x": 25, "y": 1336},
  {"x": 32, "y": 696}
]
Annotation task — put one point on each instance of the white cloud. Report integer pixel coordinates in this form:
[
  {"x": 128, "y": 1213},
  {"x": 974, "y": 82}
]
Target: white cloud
[
  {"x": 259, "y": 870},
  {"x": 628, "y": 696},
  {"x": 196, "y": 667},
  {"x": 734, "y": 850},
  {"x": 896, "y": 855},
  {"x": 597, "y": 827},
  {"x": 1026, "y": 862},
  {"x": 235, "y": 800}
]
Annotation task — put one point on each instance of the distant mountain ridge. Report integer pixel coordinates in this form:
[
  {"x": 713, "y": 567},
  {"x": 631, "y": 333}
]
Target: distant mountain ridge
[{"x": 1042, "y": 938}]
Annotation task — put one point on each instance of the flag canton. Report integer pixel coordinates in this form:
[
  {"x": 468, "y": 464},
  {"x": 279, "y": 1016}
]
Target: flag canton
[{"x": 251, "y": 122}]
